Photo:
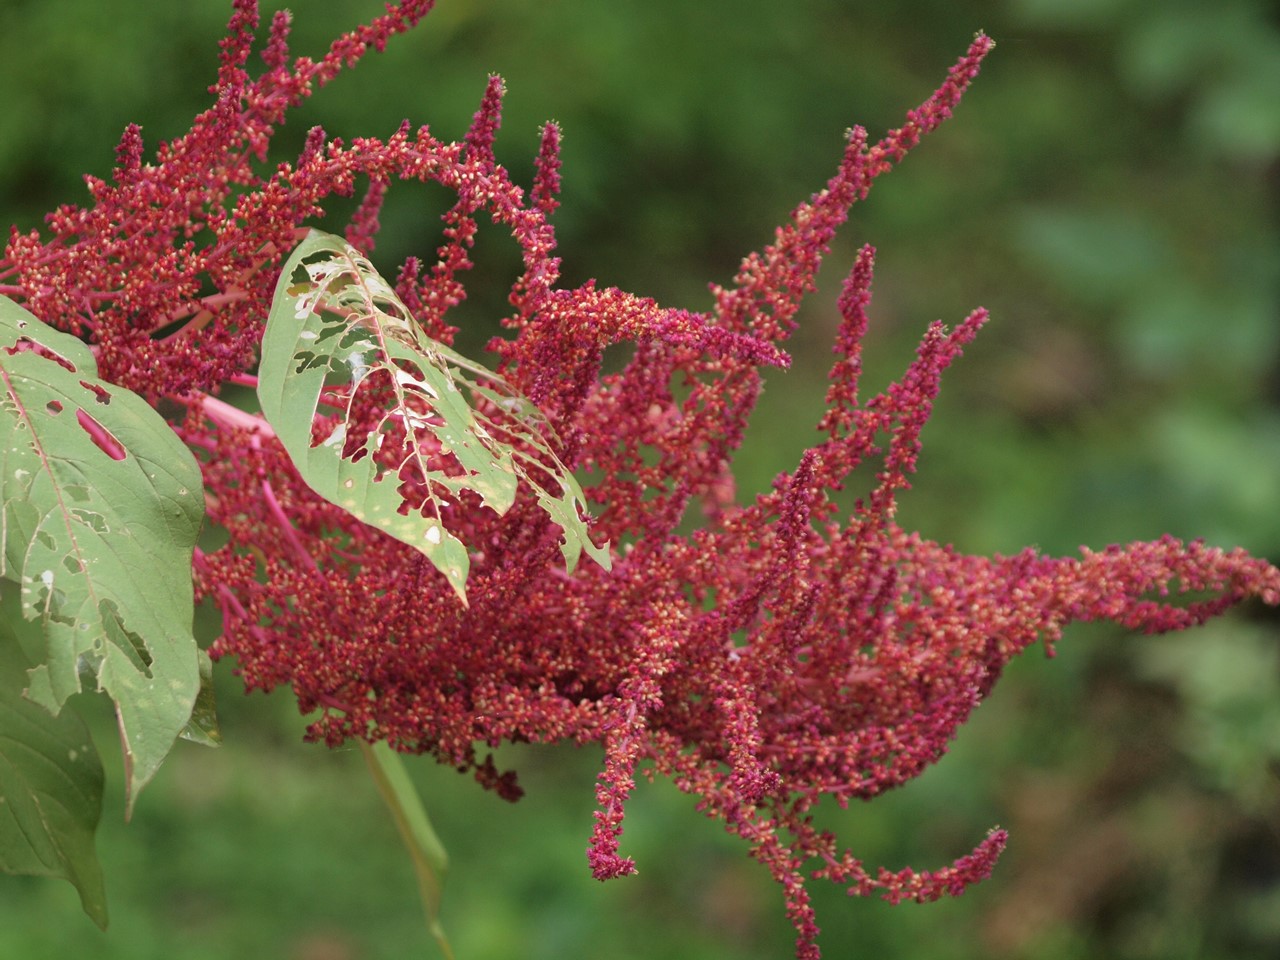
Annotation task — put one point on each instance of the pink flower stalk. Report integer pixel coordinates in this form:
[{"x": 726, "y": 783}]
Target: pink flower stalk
[{"x": 778, "y": 654}]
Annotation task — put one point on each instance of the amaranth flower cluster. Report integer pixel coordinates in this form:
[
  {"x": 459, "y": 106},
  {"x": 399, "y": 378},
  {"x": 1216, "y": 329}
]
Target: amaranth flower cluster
[{"x": 778, "y": 654}]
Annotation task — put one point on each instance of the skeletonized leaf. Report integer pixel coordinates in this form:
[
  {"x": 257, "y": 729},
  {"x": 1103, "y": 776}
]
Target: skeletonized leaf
[
  {"x": 414, "y": 418},
  {"x": 101, "y": 507},
  {"x": 51, "y": 785}
]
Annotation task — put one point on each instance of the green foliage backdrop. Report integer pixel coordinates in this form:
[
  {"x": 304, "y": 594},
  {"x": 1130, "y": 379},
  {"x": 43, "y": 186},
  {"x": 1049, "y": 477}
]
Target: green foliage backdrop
[{"x": 1108, "y": 189}]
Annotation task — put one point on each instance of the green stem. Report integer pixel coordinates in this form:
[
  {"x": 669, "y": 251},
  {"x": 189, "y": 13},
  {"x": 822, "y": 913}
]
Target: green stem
[{"x": 425, "y": 850}]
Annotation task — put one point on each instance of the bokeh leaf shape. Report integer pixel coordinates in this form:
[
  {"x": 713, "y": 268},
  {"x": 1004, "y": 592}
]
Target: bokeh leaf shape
[
  {"x": 51, "y": 786},
  {"x": 334, "y": 324},
  {"x": 101, "y": 507}
]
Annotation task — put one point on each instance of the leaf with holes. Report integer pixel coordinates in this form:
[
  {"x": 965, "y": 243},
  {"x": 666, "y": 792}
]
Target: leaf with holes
[
  {"x": 418, "y": 425},
  {"x": 101, "y": 507}
]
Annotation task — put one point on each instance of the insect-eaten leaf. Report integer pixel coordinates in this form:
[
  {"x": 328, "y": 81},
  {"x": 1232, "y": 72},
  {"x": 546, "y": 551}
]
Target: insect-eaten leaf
[
  {"x": 101, "y": 505},
  {"x": 416, "y": 427}
]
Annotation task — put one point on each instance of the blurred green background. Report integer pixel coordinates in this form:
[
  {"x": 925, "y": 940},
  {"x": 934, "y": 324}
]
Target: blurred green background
[{"x": 1109, "y": 189}]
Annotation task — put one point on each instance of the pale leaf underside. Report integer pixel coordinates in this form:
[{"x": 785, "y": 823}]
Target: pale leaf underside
[{"x": 417, "y": 427}]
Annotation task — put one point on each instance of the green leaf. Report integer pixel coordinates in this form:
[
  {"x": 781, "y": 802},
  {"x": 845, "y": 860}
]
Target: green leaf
[
  {"x": 338, "y": 334},
  {"x": 101, "y": 507},
  {"x": 202, "y": 728},
  {"x": 425, "y": 849},
  {"x": 50, "y": 788}
]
